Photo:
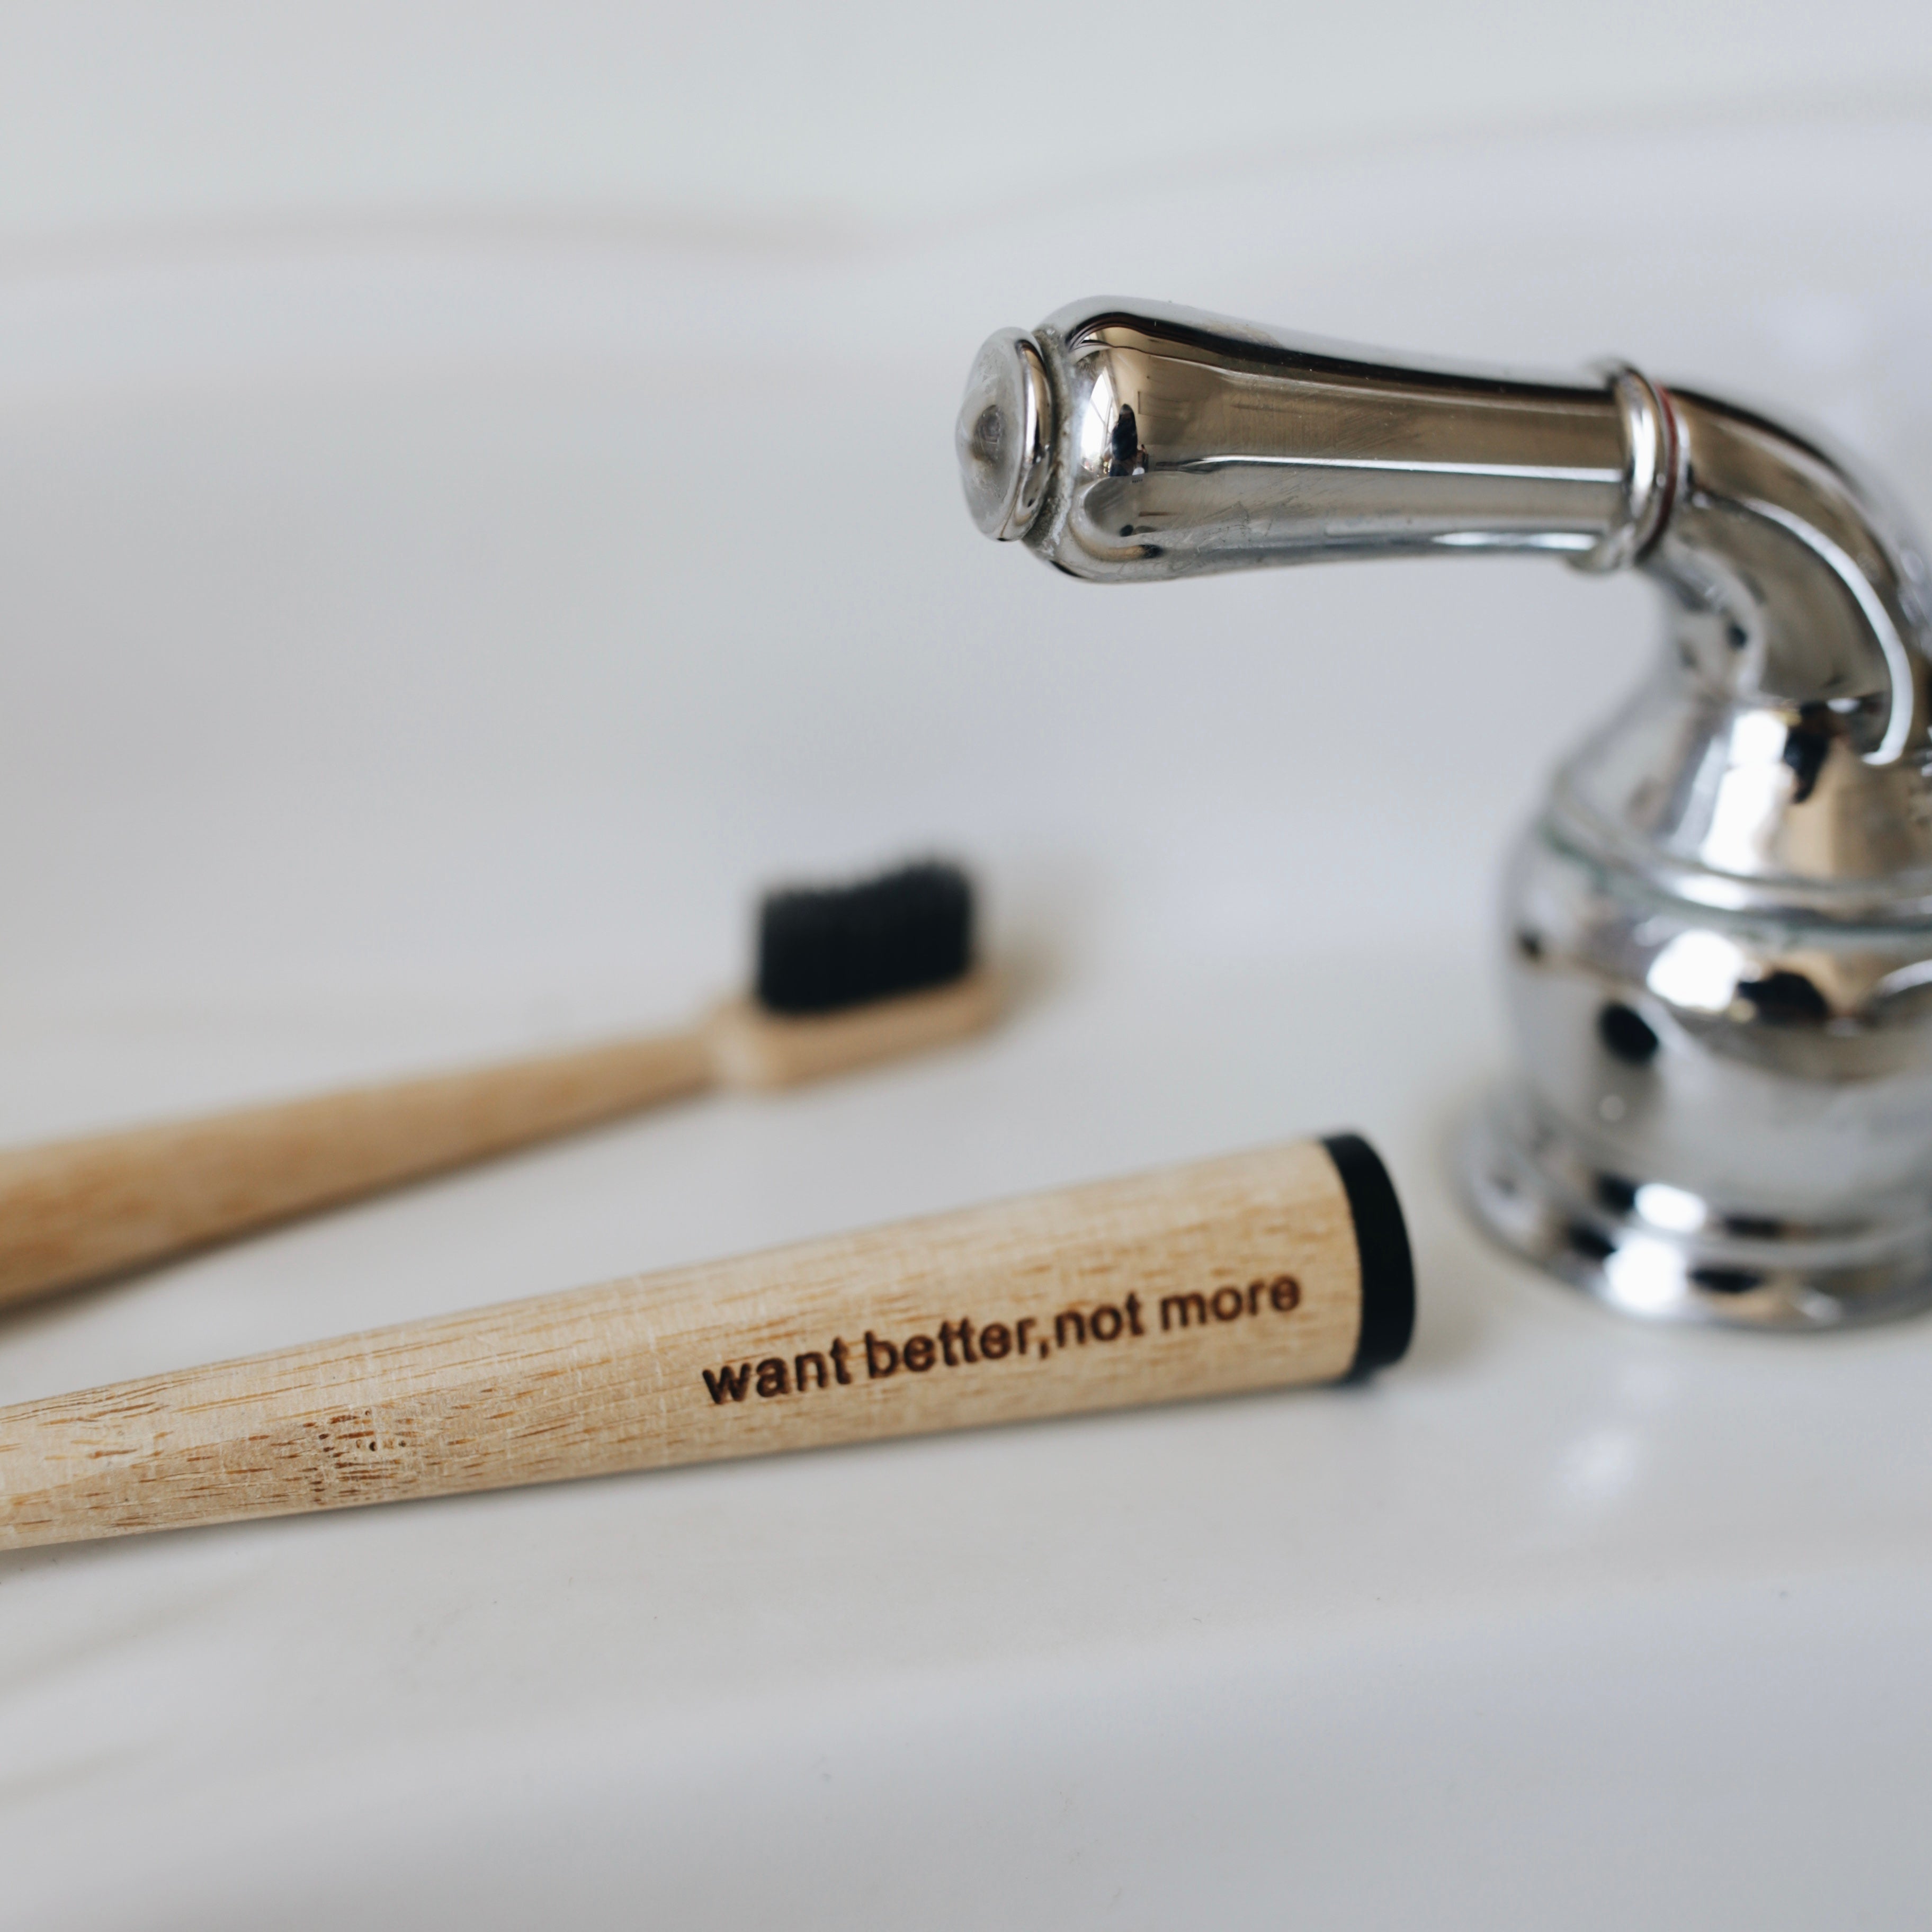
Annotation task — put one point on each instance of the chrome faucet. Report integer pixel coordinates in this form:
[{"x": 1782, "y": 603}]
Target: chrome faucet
[{"x": 1717, "y": 936}]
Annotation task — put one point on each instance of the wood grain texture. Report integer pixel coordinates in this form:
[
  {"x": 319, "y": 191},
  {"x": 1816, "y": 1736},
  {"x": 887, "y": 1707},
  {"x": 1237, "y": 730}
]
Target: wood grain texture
[
  {"x": 73, "y": 1210},
  {"x": 756, "y": 1049},
  {"x": 1236, "y": 1273}
]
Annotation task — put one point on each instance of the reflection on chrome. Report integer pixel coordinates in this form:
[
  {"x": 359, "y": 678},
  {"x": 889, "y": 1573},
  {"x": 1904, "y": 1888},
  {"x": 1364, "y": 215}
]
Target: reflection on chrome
[
  {"x": 1698, "y": 970},
  {"x": 1647, "y": 1275},
  {"x": 1664, "y": 1206},
  {"x": 1719, "y": 929}
]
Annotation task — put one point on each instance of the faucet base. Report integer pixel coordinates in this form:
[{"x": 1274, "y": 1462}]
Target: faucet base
[{"x": 1657, "y": 1252}]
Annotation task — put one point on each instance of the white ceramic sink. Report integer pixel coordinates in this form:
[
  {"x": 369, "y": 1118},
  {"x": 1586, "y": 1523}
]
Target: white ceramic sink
[{"x": 415, "y": 645}]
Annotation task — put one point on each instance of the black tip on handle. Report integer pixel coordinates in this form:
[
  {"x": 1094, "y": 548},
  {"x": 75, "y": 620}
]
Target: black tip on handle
[{"x": 1381, "y": 1245}]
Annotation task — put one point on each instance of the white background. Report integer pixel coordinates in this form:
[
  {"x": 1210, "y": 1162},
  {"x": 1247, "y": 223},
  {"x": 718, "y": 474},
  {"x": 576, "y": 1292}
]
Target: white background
[
  {"x": 133, "y": 121},
  {"x": 476, "y": 500}
]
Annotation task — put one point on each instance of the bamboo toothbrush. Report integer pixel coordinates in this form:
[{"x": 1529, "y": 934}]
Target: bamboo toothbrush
[
  {"x": 1289, "y": 1265},
  {"x": 845, "y": 977}
]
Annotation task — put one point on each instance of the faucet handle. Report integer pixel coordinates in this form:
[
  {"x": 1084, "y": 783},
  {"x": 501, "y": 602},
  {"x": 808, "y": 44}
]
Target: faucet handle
[
  {"x": 1720, "y": 932},
  {"x": 1004, "y": 436}
]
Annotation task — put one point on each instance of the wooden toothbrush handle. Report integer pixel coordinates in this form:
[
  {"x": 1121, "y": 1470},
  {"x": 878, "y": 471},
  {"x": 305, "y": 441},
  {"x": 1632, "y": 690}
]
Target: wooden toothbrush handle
[
  {"x": 72, "y": 1210},
  {"x": 1286, "y": 1265}
]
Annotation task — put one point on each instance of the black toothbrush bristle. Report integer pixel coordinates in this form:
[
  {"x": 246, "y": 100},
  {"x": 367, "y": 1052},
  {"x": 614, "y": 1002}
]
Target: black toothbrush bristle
[{"x": 822, "y": 948}]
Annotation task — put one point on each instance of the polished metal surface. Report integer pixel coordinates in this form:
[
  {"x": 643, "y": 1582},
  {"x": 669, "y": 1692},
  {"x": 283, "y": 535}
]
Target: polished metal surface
[
  {"x": 1718, "y": 932},
  {"x": 1002, "y": 436}
]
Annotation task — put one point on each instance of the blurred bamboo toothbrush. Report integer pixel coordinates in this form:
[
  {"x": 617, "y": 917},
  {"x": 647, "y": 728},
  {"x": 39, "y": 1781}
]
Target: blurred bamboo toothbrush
[{"x": 845, "y": 977}]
